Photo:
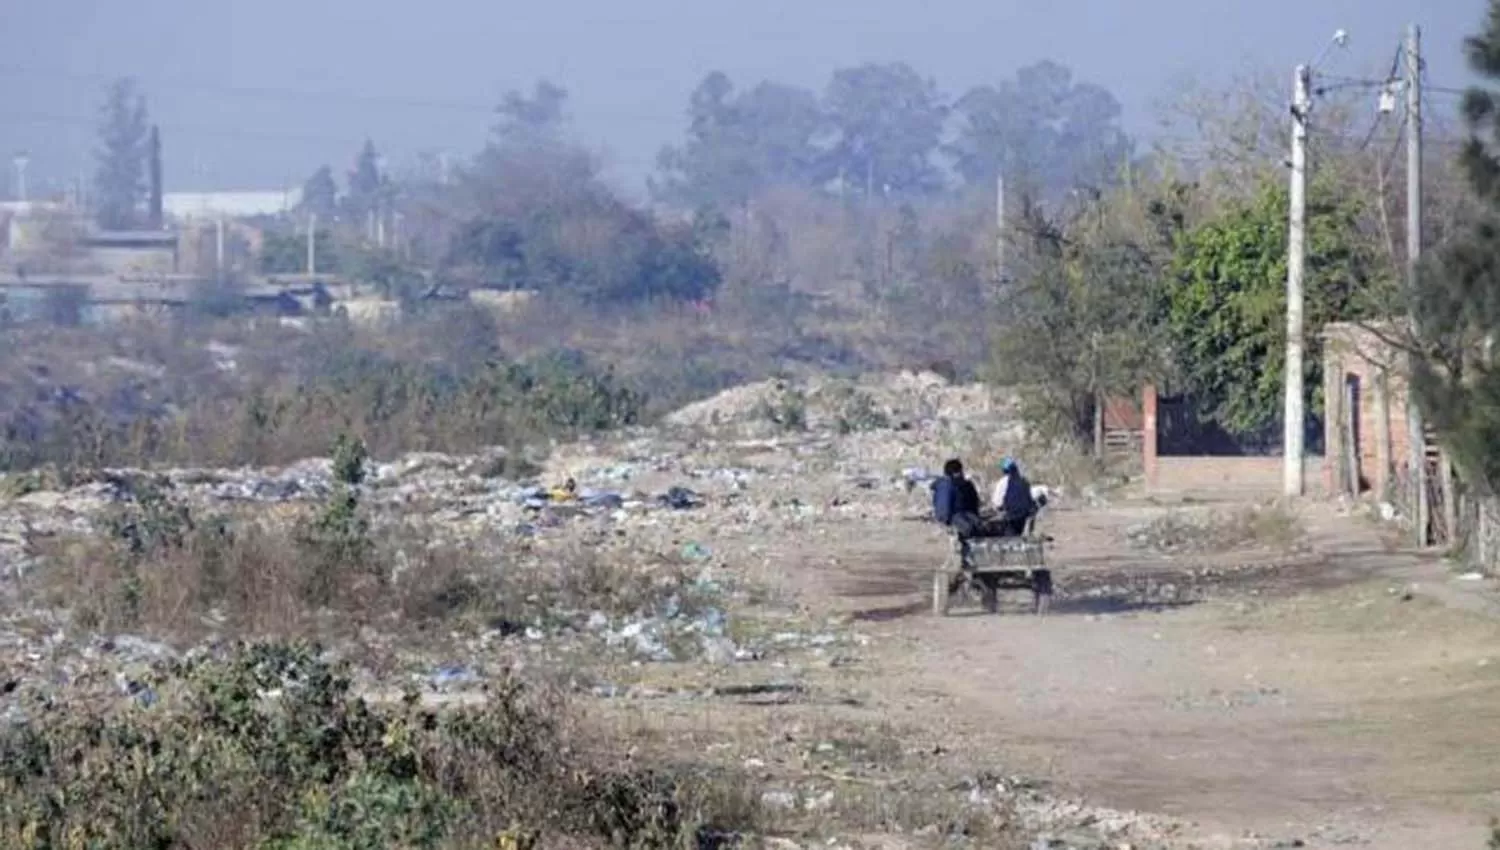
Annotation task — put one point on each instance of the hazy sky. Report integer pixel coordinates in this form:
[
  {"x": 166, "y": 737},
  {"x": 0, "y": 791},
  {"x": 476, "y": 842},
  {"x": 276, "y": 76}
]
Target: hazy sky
[{"x": 256, "y": 95}]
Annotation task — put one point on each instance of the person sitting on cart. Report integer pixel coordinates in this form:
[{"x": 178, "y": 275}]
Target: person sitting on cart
[
  {"x": 956, "y": 504},
  {"x": 1013, "y": 499}
]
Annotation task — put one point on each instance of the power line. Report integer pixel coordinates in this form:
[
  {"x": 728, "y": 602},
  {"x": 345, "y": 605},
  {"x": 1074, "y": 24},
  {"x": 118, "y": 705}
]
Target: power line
[
  {"x": 259, "y": 91},
  {"x": 1390, "y": 157},
  {"x": 189, "y": 129},
  {"x": 293, "y": 94}
]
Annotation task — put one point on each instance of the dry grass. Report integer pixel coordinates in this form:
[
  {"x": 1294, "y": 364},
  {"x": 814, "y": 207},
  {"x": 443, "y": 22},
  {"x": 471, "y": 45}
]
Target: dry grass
[
  {"x": 318, "y": 766},
  {"x": 162, "y": 568}
]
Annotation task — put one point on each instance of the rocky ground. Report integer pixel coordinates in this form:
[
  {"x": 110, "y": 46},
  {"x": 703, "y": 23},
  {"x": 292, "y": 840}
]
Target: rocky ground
[{"x": 785, "y": 631}]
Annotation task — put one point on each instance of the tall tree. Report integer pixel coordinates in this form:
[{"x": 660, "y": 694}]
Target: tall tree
[
  {"x": 889, "y": 123},
  {"x": 366, "y": 185},
  {"x": 537, "y": 119},
  {"x": 120, "y": 177},
  {"x": 320, "y": 194},
  {"x": 536, "y": 215},
  {"x": 741, "y": 143},
  {"x": 1046, "y": 131},
  {"x": 1456, "y": 302}
]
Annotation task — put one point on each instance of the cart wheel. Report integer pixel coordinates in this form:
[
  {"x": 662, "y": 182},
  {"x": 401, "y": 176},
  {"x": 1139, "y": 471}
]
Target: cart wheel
[
  {"x": 1042, "y": 590},
  {"x": 991, "y": 594},
  {"x": 940, "y": 593}
]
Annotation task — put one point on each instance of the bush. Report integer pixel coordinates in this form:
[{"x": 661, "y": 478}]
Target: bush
[
  {"x": 397, "y": 402},
  {"x": 279, "y": 730}
]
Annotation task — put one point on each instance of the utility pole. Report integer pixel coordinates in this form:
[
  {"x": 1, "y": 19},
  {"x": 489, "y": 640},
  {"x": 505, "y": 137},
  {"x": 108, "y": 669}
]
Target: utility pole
[
  {"x": 1417, "y": 455},
  {"x": 219, "y": 245},
  {"x": 20, "y": 161},
  {"x": 1000, "y": 225},
  {"x": 1294, "y": 414},
  {"x": 312, "y": 244}
]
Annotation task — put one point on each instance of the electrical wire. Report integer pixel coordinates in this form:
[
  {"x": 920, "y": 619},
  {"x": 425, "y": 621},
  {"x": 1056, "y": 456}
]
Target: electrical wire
[
  {"x": 1390, "y": 157},
  {"x": 292, "y": 94}
]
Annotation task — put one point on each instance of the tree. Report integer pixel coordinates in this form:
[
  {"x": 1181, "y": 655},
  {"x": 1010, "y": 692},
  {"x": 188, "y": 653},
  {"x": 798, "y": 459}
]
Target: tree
[
  {"x": 320, "y": 194},
  {"x": 1226, "y": 302},
  {"x": 534, "y": 120},
  {"x": 1080, "y": 320},
  {"x": 120, "y": 178},
  {"x": 365, "y": 182},
  {"x": 741, "y": 144},
  {"x": 536, "y": 215},
  {"x": 888, "y": 122},
  {"x": 1046, "y": 132},
  {"x": 1456, "y": 301}
]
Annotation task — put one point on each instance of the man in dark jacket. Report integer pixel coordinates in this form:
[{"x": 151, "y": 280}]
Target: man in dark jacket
[{"x": 955, "y": 500}]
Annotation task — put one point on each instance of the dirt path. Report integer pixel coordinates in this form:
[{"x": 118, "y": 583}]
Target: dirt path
[{"x": 1322, "y": 699}]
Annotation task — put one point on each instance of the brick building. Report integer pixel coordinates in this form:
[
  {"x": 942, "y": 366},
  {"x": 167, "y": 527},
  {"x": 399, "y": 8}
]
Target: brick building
[{"x": 1365, "y": 394}]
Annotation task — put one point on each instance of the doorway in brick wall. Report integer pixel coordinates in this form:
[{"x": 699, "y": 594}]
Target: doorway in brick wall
[{"x": 1351, "y": 468}]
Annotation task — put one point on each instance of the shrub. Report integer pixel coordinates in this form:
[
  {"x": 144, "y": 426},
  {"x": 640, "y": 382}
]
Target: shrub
[{"x": 308, "y": 763}]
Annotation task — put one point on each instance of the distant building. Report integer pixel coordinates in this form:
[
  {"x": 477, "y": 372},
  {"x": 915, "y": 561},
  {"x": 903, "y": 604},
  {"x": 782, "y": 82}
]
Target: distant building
[
  {"x": 188, "y": 206},
  {"x": 24, "y": 225},
  {"x": 132, "y": 252}
]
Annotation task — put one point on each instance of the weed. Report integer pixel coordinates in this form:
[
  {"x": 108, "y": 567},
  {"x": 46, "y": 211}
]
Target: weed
[
  {"x": 786, "y": 408},
  {"x": 857, "y": 411},
  {"x": 279, "y": 729}
]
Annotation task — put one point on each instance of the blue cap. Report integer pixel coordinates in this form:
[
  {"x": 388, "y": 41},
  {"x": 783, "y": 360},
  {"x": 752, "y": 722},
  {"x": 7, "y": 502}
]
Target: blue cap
[{"x": 1007, "y": 465}]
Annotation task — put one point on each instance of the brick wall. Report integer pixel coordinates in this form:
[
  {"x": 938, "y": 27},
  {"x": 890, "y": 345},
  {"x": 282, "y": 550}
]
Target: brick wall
[
  {"x": 1214, "y": 477},
  {"x": 1230, "y": 477},
  {"x": 1363, "y": 382}
]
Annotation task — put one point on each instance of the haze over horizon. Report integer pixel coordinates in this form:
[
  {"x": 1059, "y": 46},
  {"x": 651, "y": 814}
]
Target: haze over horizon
[{"x": 259, "y": 100}]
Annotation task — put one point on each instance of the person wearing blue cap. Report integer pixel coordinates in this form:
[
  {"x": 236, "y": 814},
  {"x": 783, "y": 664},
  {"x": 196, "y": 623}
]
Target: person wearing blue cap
[{"x": 1012, "y": 498}]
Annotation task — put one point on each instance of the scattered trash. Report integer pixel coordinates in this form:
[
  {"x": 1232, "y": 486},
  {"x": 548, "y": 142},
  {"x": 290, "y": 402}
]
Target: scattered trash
[
  {"x": 681, "y": 499},
  {"x": 452, "y": 675}
]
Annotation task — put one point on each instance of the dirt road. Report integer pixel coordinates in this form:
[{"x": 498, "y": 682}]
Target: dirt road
[{"x": 1321, "y": 699}]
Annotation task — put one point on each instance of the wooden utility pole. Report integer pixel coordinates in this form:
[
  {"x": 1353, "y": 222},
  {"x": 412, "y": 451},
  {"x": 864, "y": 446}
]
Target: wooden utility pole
[
  {"x": 1417, "y": 455},
  {"x": 1294, "y": 414}
]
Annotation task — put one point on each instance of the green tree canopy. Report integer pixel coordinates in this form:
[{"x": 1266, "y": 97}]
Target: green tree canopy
[{"x": 1226, "y": 303}]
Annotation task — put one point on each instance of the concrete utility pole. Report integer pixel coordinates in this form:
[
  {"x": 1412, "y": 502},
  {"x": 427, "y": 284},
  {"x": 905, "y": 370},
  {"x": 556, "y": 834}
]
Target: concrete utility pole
[
  {"x": 1417, "y": 456},
  {"x": 312, "y": 244},
  {"x": 219, "y": 245},
  {"x": 20, "y": 161},
  {"x": 1294, "y": 415}
]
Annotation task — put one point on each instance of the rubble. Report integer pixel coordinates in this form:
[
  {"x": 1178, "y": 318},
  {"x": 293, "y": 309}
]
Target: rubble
[{"x": 694, "y": 504}]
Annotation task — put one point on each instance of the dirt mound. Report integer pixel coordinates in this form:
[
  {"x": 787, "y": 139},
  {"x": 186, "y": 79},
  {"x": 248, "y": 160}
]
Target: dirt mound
[{"x": 878, "y": 402}]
